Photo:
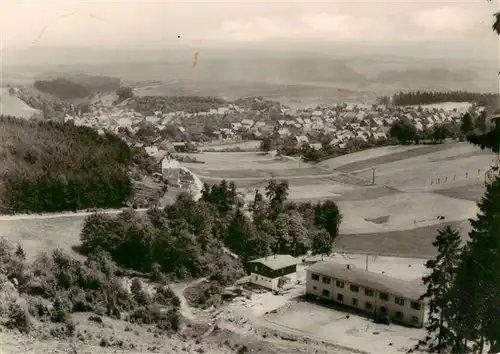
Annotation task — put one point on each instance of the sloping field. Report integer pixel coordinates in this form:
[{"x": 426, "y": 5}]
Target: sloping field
[
  {"x": 249, "y": 145},
  {"x": 395, "y": 156},
  {"x": 402, "y": 211},
  {"x": 366, "y": 155},
  {"x": 462, "y": 164},
  {"x": 415, "y": 242},
  {"x": 44, "y": 235},
  {"x": 13, "y": 106}
]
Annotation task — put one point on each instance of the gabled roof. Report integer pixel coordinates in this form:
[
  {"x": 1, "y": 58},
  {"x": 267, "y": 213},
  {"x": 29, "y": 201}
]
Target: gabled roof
[
  {"x": 277, "y": 261},
  {"x": 380, "y": 282}
]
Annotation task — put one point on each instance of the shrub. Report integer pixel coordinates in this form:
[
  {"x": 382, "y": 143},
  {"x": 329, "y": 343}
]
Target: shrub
[
  {"x": 165, "y": 296},
  {"x": 38, "y": 308},
  {"x": 139, "y": 295},
  {"x": 204, "y": 294},
  {"x": 154, "y": 314},
  {"x": 59, "y": 313},
  {"x": 18, "y": 318}
]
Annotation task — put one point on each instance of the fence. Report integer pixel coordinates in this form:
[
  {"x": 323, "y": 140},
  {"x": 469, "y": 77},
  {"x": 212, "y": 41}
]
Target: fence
[{"x": 439, "y": 180}]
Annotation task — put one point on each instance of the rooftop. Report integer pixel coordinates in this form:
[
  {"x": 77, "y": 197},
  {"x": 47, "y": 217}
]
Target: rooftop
[
  {"x": 408, "y": 289},
  {"x": 277, "y": 261}
]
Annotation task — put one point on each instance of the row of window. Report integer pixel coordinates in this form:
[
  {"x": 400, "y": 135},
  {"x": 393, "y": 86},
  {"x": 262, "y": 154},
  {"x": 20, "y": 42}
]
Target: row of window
[
  {"x": 368, "y": 292},
  {"x": 368, "y": 306}
]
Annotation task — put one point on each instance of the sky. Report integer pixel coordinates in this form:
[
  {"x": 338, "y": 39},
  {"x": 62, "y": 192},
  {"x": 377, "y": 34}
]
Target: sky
[{"x": 244, "y": 24}]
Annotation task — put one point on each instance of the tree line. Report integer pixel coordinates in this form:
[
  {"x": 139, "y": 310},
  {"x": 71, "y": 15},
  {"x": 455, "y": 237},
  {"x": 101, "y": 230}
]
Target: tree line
[
  {"x": 49, "y": 166},
  {"x": 428, "y": 97}
]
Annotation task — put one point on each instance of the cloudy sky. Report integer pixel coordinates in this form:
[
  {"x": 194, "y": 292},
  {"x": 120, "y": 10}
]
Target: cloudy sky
[{"x": 239, "y": 23}]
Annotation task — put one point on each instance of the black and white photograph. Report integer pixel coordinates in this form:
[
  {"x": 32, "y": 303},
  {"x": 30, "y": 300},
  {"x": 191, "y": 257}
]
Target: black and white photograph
[{"x": 244, "y": 176}]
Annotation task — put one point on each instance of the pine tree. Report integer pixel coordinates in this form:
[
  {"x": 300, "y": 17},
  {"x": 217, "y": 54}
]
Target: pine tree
[
  {"x": 465, "y": 321},
  {"x": 20, "y": 252},
  {"x": 484, "y": 250},
  {"x": 467, "y": 125},
  {"x": 439, "y": 281}
]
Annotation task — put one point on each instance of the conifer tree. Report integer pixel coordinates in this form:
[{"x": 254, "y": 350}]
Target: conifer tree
[
  {"x": 442, "y": 272},
  {"x": 20, "y": 252},
  {"x": 484, "y": 253}
]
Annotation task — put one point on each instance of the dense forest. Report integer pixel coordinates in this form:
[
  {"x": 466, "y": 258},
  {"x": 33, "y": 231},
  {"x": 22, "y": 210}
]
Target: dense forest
[
  {"x": 63, "y": 88},
  {"x": 49, "y": 166},
  {"x": 429, "y": 97}
]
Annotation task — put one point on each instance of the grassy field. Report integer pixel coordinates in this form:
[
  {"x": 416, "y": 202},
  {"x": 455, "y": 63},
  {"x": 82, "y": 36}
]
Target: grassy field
[{"x": 44, "y": 235}]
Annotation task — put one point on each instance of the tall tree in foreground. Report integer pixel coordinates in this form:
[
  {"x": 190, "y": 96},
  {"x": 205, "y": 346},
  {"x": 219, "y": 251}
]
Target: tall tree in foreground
[
  {"x": 484, "y": 253},
  {"x": 442, "y": 272}
]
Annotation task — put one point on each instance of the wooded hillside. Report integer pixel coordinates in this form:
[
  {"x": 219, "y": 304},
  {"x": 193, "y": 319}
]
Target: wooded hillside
[{"x": 48, "y": 166}]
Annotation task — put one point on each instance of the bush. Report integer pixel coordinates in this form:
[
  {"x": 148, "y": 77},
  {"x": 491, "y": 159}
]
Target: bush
[
  {"x": 59, "y": 313},
  {"x": 166, "y": 297},
  {"x": 204, "y": 294},
  {"x": 38, "y": 307},
  {"x": 18, "y": 318},
  {"x": 154, "y": 314}
]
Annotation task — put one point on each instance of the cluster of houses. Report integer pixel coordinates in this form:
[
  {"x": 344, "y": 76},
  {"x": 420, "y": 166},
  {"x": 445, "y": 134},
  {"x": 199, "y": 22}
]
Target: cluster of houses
[
  {"x": 342, "y": 122},
  {"x": 346, "y": 285}
]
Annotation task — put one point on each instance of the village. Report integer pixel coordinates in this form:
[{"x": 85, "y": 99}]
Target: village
[{"x": 181, "y": 131}]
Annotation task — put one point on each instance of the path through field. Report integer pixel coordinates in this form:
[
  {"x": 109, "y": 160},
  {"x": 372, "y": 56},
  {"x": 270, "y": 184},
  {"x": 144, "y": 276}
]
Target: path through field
[{"x": 178, "y": 289}]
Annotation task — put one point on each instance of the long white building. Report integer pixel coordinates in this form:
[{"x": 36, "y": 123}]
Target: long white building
[{"x": 367, "y": 291}]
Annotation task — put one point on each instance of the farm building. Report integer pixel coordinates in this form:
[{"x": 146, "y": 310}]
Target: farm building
[
  {"x": 273, "y": 272},
  {"x": 367, "y": 291}
]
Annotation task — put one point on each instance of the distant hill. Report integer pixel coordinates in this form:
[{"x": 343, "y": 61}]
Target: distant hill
[
  {"x": 426, "y": 75},
  {"x": 74, "y": 85},
  {"x": 62, "y": 88}
]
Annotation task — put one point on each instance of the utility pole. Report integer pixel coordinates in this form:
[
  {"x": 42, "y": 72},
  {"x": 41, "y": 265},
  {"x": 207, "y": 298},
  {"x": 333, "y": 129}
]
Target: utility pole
[
  {"x": 373, "y": 176},
  {"x": 367, "y": 261}
]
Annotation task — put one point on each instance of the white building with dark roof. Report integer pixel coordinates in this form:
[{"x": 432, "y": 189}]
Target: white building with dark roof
[
  {"x": 367, "y": 291},
  {"x": 273, "y": 272}
]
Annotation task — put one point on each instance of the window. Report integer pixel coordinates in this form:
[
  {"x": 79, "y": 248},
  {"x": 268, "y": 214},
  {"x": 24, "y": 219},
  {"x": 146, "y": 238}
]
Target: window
[
  {"x": 414, "y": 319},
  {"x": 326, "y": 280},
  {"x": 314, "y": 288},
  {"x": 399, "y": 315},
  {"x": 315, "y": 277},
  {"x": 339, "y": 284},
  {"x": 383, "y": 309},
  {"x": 354, "y": 288},
  {"x": 368, "y": 292},
  {"x": 383, "y": 296},
  {"x": 368, "y": 306},
  {"x": 415, "y": 305},
  {"x": 399, "y": 301},
  {"x": 354, "y": 302},
  {"x": 326, "y": 293},
  {"x": 340, "y": 297}
]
